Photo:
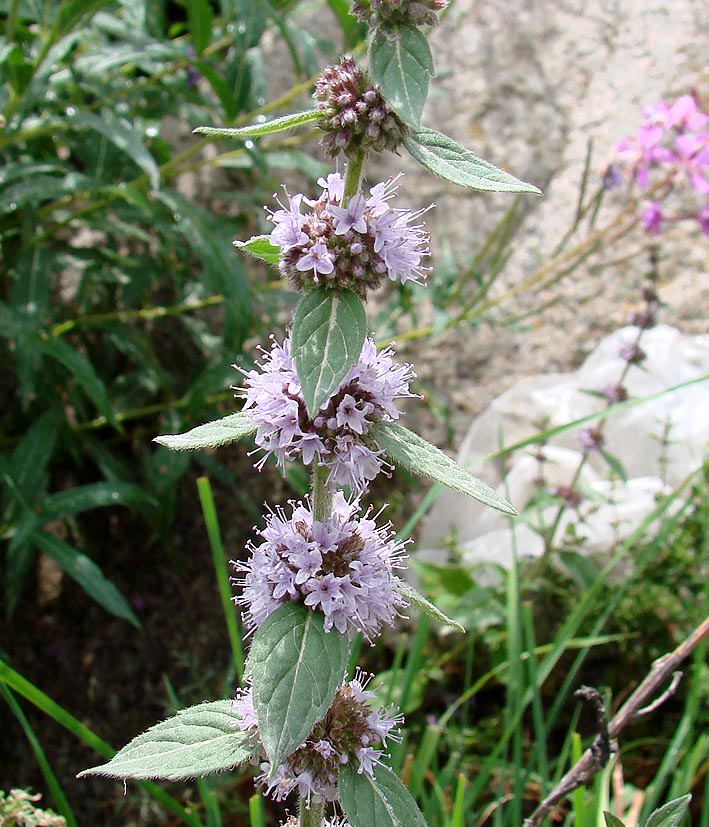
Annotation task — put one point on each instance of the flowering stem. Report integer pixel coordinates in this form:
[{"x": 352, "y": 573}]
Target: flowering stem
[
  {"x": 353, "y": 176},
  {"x": 310, "y": 815},
  {"x": 322, "y": 495}
]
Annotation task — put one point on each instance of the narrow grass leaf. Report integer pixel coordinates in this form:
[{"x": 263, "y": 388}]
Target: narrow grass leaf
[
  {"x": 296, "y": 667},
  {"x": 200, "y": 740},
  {"x": 214, "y": 434},
  {"x": 670, "y": 814},
  {"x": 199, "y": 22},
  {"x": 329, "y": 329},
  {"x": 401, "y": 65},
  {"x": 611, "y": 820},
  {"x": 60, "y": 800},
  {"x": 418, "y": 600},
  {"x": 260, "y": 247},
  {"x": 85, "y": 374},
  {"x": 53, "y": 710},
  {"x": 257, "y": 129},
  {"x": 124, "y": 136},
  {"x": 382, "y": 801},
  {"x": 97, "y": 495},
  {"x": 452, "y": 162},
  {"x": 87, "y": 574},
  {"x": 421, "y": 457}
]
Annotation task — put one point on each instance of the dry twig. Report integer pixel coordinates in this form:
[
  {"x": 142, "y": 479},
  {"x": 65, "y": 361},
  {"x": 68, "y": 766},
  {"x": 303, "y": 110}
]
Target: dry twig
[{"x": 595, "y": 756}]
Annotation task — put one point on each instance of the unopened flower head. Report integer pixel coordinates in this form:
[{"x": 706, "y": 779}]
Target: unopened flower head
[
  {"x": 356, "y": 116},
  {"x": 343, "y": 568},
  {"x": 377, "y": 13},
  {"x": 352, "y": 732},
  {"x": 337, "y": 436},
  {"x": 353, "y": 246}
]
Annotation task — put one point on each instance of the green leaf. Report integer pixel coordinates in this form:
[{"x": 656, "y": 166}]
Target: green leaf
[
  {"x": 670, "y": 814},
  {"x": 401, "y": 65},
  {"x": 296, "y": 668},
  {"x": 74, "y": 11},
  {"x": 329, "y": 329},
  {"x": 122, "y": 134},
  {"x": 223, "y": 431},
  {"x": 260, "y": 247},
  {"x": 87, "y": 574},
  {"x": 84, "y": 372},
  {"x": 382, "y": 801},
  {"x": 418, "y": 600},
  {"x": 611, "y": 820},
  {"x": 420, "y": 457},
  {"x": 199, "y": 21},
  {"x": 447, "y": 159},
  {"x": 266, "y": 128},
  {"x": 200, "y": 740},
  {"x": 96, "y": 495},
  {"x": 615, "y": 465}
]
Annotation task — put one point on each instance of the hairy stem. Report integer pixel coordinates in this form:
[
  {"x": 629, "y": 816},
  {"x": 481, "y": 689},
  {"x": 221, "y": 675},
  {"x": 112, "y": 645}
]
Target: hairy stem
[
  {"x": 321, "y": 494},
  {"x": 353, "y": 176},
  {"x": 310, "y": 815}
]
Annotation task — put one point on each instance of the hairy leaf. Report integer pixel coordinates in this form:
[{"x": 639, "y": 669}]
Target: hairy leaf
[
  {"x": 382, "y": 801},
  {"x": 266, "y": 128},
  {"x": 296, "y": 667},
  {"x": 447, "y": 159},
  {"x": 401, "y": 65},
  {"x": 418, "y": 600},
  {"x": 671, "y": 814},
  {"x": 200, "y": 740},
  {"x": 223, "y": 431},
  {"x": 329, "y": 329},
  {"x": 419, "y": 456},
  {"x": 260, "y": 247}
]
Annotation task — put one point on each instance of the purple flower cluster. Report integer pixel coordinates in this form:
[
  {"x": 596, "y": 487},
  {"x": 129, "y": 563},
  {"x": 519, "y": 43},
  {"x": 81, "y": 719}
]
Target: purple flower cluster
[
  {"x": 398, "y": 12},
  {"x": 351, "y": 732},
  {"x": 355, "y": 115},
  {"x": 349, "y": 246},
  {"x": 672, "y": 144},
  {"x": 337, "y": 436},
  {"x": 343, "y": 568}
]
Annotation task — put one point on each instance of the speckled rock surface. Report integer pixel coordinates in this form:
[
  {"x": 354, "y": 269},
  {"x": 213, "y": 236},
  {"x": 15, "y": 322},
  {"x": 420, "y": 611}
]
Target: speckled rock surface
[{"x": 526, "y": 86}]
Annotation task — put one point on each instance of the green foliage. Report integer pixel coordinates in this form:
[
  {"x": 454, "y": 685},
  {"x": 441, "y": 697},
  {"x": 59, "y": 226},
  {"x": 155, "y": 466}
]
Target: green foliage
[
  {"x": 296, "y": 667},
  {"x": 329, "y": 329},
  {"x": 197, "y": 741},
  {"x": 402, "y": 66},
  {"x": 120, "y": 300},
  {"x": 382, "y": 801}
]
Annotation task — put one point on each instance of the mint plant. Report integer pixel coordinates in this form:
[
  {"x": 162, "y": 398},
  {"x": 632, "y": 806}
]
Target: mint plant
[{"x": 325, "y": 569}]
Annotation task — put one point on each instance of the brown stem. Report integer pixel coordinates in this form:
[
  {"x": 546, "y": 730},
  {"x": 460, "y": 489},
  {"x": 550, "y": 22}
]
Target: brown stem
[{"x": 588, "y": 765}]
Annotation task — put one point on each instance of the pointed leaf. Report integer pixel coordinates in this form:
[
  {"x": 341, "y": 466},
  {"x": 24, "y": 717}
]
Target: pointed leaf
[
  {"x": 671, "y": 814},
  {"x": 96, "y": 495},
  {"x": 612, "y": 820},
  {"x": 260, "y": 247},
  {"x": 266, "y": 128},
  {"x": 122, "y": 134},
  {"x": 84, "y": 372},
  {"x": 296, "y": 668},
  {"x": 223, "y": 431},
  {"x": 447, "y": 159},
  {"x": 329, "y": 329},
  {"x": 382, "y": 801},
  {"x": 87, "y": 574},
  {"x": 417, "y": 599},
  {"x": 401, "y": 65},
  {"x": 420, "y": 457},
  {"x": 200, "y": 740}
]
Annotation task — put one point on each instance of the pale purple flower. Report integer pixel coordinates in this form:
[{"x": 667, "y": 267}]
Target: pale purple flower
[
  {"x": 703, "y": 218},
  {"x": 336, "y": 436},
  {"x": 352, "y": 732},
  {"x": 652, "y": 218},
  {"x": 354, "y": 244},
  {"x": 343, "y": 568}
]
